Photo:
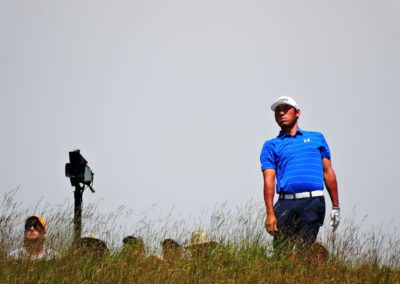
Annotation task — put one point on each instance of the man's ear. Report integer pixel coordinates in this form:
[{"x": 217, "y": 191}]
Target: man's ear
[{"x": 298, "y": 112}]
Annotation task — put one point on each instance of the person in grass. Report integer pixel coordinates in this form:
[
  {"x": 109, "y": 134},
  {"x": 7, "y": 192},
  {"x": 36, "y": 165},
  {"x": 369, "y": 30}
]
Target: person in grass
[
  {"x": 319, "y": 254},
  {"x": 298, "y": 164},
  {"x": 171, "y": 249},
  {"x": 133, "y": 248},
  {"x": 91, "y": 246},
  {"x": 200, "y": 244},
  {"x": 34, "y": 238}
]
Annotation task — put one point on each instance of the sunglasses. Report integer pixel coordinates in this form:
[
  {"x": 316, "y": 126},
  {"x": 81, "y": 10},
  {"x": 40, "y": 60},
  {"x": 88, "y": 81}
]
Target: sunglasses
[{"x": 35, "y": 224}]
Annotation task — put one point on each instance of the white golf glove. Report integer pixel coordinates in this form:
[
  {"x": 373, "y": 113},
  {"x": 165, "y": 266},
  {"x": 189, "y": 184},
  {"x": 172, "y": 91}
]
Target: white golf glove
[{"x": 335, "y": 217}]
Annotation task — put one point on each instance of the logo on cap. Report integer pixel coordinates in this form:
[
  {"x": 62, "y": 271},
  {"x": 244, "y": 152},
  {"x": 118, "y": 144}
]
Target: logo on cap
[{"x": 284, "y": 100}]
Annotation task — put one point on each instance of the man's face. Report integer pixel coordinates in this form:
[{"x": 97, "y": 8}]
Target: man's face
[
  {"x": 34, "y": 230},
  {"x": 286, "y": 115}
]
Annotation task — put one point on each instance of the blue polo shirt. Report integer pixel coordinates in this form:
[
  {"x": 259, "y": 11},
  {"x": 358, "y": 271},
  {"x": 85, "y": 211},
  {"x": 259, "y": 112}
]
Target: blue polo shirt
[{"x": 297, "y": 160}]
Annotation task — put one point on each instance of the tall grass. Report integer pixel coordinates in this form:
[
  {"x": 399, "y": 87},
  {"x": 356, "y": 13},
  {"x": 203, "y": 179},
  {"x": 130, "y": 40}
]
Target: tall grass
[{"x": 243, "y": 254}]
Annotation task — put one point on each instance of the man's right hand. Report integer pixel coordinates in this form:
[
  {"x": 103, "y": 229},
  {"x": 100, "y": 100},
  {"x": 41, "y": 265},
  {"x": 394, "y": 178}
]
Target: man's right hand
[{"x": 270, "y": 223}]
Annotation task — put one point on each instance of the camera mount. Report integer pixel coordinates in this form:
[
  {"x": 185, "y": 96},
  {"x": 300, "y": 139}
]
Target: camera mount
[{"x": 81, "y": 176}]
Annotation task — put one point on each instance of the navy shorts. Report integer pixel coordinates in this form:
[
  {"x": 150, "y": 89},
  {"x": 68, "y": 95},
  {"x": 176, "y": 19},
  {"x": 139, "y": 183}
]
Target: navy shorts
[{"x": 299, "y": 219}]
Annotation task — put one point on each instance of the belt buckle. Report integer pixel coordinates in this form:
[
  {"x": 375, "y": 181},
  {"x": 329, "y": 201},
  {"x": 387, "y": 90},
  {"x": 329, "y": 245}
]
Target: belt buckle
[{"x": 283, "y": 196}]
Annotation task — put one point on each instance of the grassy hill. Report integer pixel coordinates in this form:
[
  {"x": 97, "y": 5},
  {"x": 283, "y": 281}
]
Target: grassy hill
[{"x": 242, "y": 255}]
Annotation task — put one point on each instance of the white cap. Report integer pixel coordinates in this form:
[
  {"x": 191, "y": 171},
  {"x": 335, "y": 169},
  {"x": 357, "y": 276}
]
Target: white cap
[
  {"x": 199, "y": 237},
  {"x": 284, "y": 100},
  {"x": 90, "y": 235}
]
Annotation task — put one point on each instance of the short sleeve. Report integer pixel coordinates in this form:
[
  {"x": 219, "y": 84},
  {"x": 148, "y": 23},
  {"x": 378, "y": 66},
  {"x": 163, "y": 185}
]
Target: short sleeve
[
  {"x": 324, "y": 148},
  {"x": 267, "y": 156}
]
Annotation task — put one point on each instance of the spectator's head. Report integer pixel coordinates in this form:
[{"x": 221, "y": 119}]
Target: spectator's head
[
  {"x": 200, "y": 243},
  {"x": 319, "y": 254},
  {"x": 35, "y": 231},
  {"x": 133, "y": 246},
  {"x": 91, "y": 246},
  {"x": 171, "y": 248}
]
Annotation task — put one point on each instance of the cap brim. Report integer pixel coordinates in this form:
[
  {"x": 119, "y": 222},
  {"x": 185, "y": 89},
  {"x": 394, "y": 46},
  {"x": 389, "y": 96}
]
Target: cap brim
[{"x": 275, "y": 104}]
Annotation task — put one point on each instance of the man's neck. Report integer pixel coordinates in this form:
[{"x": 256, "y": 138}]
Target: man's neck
[{"x": 290, "y": 129}]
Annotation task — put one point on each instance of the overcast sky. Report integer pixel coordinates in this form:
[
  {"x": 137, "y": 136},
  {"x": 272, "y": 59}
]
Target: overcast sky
[{"x": 169, "y": 101}]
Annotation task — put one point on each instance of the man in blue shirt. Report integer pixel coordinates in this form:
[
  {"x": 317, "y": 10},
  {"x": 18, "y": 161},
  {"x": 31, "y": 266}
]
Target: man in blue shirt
[{"x": 300, "y": 163}]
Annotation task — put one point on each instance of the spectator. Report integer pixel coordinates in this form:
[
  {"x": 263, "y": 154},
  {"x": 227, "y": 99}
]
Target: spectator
[
  {"x": 200, "y": 244},
  {"x": 34, "y": 239},
  {"x": 172, "y": 249},
  {"x": 91, "y": 246},
  {"x": 319, "y": 254},
  {"x": 133, "y": 247}
]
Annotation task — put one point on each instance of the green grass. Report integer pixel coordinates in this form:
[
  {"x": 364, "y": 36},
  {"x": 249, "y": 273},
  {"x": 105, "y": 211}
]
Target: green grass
[
  {"x": 244, "y": 266},
  {"x": 241, "y": 256}
]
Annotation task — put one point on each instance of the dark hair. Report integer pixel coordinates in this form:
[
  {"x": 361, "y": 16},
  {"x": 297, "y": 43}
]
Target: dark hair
[
  {"x": 170, "y": 243},
  {"x": 132, "y": 239},
  {"x": 92, "y": 247}
]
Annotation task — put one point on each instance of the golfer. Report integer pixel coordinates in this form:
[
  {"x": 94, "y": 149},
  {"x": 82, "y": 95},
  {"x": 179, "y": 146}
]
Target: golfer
[{"x": 297, "y": 163}]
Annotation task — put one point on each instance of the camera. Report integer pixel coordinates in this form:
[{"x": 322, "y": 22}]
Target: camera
[{"x": 78, "y": 171}]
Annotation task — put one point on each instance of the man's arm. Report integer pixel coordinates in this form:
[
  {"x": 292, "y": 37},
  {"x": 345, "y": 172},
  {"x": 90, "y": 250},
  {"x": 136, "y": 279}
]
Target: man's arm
[
  {"x": 330, "y": 181},
  {"x": 269, "y": 191}
]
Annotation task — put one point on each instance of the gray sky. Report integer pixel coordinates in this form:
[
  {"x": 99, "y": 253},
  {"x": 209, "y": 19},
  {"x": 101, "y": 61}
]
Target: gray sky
[{"x": 169, "y": 100}]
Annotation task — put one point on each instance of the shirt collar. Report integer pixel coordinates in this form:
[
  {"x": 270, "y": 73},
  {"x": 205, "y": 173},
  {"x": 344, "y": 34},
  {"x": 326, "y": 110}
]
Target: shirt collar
[{"x": 282, "y": 135}]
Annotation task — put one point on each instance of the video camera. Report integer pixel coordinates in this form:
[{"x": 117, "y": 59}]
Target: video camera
[{"x": 78, "y": 171}]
